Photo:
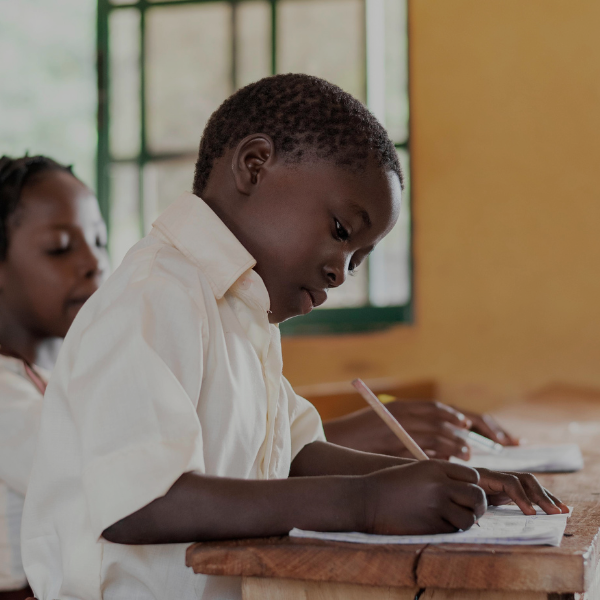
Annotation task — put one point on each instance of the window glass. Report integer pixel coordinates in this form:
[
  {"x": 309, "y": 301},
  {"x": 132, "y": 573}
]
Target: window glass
[
  {"x": 396, "y": 70},
  {"x": 389, "y": 263},
  {"x": 124, "y": 69},
  {"x": 188, "y": 71},
  {"x": 253, "y": 41},
  {"x": 124, "y": 215},
  {"x": 323, "y": 38},
  {"x": 48, "y": 95},
  {"x": 164, "y": 181}
]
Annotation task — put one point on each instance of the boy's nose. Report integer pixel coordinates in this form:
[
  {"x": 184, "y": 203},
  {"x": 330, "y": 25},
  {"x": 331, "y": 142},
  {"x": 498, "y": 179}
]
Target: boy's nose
[{"x": 335, "y": 276}]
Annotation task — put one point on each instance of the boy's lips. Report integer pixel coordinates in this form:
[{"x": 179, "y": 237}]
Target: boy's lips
[{"x": 317, "y": 297}]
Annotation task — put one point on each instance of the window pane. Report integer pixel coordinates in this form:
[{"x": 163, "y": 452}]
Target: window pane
[
  {"x": 48, "y": 81},
  {"x": 253, "y": 45},
  {"x": 389, "y": 263},
  {"x": 164, "y": 182},
  {"x": 124, "y": 68},
  {"x": 188, "y": 72},
  {"x": 396, "y": 70},
  {"x": 124, "y": 211},
  {"x": 325, "y": 38}
]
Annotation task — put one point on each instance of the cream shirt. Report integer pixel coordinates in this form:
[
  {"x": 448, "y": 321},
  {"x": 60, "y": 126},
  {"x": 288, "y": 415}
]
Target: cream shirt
[
  {"x": 20, "y": 411},
  {"x": 171, "y": 367}
]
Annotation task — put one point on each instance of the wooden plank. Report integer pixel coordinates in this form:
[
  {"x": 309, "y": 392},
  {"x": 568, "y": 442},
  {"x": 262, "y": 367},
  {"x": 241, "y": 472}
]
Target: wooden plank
[
  {"x": 254, "y": 588},
  {"x": 436, "y": 594},
  {"x": 310, "y": 560},
  {"x": 570, "y": 569}
]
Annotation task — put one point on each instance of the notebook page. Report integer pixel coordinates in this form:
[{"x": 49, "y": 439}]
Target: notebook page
[
  {"x": 535, "y": 458},
  {"x": 499, "y": 525}
]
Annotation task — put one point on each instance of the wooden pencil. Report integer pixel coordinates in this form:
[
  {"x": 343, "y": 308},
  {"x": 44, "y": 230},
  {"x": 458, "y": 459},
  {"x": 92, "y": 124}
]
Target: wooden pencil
[
  {"x": 388, "y": 418},
  {"x": 363, "y": 389}
]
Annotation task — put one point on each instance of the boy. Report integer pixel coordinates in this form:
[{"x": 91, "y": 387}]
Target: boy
[{"x": 168, "y": 420}]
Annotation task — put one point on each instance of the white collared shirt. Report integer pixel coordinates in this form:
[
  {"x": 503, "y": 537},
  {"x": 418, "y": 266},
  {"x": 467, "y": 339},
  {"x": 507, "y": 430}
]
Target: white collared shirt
[
  {"x": 20, "y": 411},
  {"x": 171, "y": 367}
]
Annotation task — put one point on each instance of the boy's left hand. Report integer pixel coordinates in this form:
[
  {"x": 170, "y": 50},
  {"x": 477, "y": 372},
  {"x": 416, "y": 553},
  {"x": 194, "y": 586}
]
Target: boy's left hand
[{"x": 521, "y": 488}]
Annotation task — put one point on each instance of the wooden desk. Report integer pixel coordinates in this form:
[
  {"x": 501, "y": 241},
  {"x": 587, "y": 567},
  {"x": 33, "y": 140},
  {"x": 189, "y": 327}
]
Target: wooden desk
[{"x": 297, "y": 569}]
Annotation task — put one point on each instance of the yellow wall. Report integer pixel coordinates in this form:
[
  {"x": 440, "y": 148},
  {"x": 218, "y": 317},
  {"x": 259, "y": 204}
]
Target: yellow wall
[{"x": 505, "y": 108}]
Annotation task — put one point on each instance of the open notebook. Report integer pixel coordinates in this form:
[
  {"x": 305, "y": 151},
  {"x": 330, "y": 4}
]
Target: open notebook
[
  {"x": 537, "y": 458},
  {"x": 499, "y": 525}
]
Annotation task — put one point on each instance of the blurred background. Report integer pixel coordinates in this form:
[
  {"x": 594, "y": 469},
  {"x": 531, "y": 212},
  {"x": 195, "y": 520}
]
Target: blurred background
[{"x": 487, "y": 290}]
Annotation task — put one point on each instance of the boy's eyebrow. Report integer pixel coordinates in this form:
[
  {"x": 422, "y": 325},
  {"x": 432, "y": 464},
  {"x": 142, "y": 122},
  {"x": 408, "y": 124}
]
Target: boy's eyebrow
[{"x": 364, "y": 215}]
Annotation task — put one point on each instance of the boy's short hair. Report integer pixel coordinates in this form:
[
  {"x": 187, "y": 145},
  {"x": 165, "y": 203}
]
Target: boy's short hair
[{"x": 308, "y": 119}]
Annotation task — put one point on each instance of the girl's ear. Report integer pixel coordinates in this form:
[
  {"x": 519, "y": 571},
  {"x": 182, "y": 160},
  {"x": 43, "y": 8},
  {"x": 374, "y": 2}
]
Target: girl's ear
[{"x": 252, "y": 157}]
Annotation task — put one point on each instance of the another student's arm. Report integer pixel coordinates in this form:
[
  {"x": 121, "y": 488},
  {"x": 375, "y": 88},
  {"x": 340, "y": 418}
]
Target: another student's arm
[{"x": 431, "y": 424}]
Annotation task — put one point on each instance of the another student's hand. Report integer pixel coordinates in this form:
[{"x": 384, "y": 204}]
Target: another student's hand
[
  {"x": 424, "y": 497},
  {"x": 521, "y": 488},
  {"x": 429, "y": 423},
  {"x": 487, "y": 426}
]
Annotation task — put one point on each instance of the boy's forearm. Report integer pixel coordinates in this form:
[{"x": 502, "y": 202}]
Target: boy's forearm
[
  {"x": 199, "y": 507},
  {"x": 322, "y": 458}
]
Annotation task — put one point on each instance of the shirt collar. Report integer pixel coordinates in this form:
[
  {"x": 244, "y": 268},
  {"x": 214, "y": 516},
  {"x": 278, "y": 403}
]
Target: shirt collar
[{"x": 198, "y": 233}]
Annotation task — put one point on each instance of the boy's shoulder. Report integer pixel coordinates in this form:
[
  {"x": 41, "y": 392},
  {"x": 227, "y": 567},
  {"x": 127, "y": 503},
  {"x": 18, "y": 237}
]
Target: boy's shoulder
[{"x": 154, "y": 264}]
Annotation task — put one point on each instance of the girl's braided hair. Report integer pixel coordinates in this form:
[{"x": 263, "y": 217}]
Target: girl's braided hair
[{"x": 15, "y": 174}]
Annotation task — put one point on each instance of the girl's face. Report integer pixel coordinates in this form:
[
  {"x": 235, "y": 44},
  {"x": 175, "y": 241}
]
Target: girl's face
[{"x": 56, "y": 254}]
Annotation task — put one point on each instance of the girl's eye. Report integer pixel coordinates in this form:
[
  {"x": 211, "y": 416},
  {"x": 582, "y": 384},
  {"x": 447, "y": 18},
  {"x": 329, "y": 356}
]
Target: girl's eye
[
  {"x": 58, "y": 251},
  {"x": 100, "y": 243},
  {"x": 341, "y": 232}
]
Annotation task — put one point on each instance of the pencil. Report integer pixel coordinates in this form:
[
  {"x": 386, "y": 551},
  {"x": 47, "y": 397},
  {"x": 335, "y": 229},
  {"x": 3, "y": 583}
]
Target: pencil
[{"x": 389, "y": 419}]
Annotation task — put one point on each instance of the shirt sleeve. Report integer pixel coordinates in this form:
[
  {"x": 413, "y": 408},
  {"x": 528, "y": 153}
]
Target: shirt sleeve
[
  {"x": 133, "y": 394},
  {"x": 20, "y": 412},
  {"x": 305, "y": 423}
]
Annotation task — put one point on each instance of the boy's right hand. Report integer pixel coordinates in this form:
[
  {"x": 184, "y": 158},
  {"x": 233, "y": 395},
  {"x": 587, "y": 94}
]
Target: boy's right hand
[{"x": 423, "y": 497}]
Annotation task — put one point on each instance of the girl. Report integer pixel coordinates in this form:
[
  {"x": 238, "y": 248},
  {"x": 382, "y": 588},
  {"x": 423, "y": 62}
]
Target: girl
[{"x": 52, "y": 256}]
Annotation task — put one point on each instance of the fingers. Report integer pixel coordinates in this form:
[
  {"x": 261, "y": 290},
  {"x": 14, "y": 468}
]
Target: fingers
[
  {"x": 430, "y": 412},
  {"x": 459, "y": 516},
  {"x": 538, "y": 494},
  {"x": 469, "y": 496},
  {"x": 441, "y": 446},
  {"x": 459, "y": 472},
  {"x": 488, "y": 427},
  {"x": 563, "y": 507},
  {"x": 504, "y": 487}
]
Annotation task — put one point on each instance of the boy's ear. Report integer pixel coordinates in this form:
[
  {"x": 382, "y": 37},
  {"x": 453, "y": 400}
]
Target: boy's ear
[{"x": 253, "y": 155}]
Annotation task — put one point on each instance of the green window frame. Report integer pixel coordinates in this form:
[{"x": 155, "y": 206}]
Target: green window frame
[{"x": 318, "y": 322}]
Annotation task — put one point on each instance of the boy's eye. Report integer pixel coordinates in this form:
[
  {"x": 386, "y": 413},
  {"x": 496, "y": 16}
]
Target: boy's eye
[
  {"x": 352, "y": 269},
  {"x": 101, "y": 243},
  {"x": 341, "y": 233}
]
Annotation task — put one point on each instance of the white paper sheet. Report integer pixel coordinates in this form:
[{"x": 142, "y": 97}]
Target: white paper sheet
[
  {"x": 499, "y": 525},
  {"x": 536, "y": 458}
]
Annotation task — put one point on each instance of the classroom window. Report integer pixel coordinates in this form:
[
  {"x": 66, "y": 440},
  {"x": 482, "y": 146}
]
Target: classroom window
[
  {"x": 47, "y": 82},
  {"x": 166, "y": 65}
]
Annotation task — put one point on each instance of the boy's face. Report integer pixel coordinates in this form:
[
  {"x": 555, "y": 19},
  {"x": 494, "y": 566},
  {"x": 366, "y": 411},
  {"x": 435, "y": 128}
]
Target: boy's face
[{"x": 309, "y": 225}]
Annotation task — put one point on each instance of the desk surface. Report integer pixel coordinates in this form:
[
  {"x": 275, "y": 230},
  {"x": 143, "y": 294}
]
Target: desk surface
[{"x": 568, "y": 569}]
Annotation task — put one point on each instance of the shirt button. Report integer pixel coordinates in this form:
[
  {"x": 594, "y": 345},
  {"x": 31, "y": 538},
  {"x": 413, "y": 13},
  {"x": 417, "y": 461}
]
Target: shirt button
[{"x": 245, "y": 284}]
